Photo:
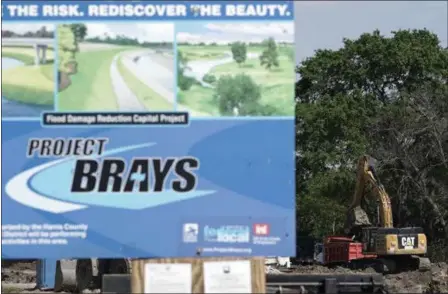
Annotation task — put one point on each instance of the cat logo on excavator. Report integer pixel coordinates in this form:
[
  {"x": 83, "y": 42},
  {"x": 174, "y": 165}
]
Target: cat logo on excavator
[{"x": 408, "y": 242}]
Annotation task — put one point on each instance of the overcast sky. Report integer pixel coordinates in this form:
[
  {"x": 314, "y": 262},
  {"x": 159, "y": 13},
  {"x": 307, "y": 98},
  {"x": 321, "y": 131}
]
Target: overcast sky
[
  {"x": 230, "y": 32},
  {"x": 155, "y": 32},
  {"x": 26, "y": 27},
  {"x": 150, "y": 32},
  {"x": 323, "y": 24}
]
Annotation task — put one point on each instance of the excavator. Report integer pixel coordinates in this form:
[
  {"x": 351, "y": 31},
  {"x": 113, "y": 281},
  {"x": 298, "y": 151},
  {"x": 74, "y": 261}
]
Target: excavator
[{"x": 386, "y": 248}]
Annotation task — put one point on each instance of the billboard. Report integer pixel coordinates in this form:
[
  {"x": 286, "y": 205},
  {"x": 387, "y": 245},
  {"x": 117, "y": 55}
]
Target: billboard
[{"x": 147, "y": 129}]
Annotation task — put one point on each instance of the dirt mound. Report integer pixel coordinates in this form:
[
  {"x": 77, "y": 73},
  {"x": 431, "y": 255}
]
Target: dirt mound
[
  {"x": 433, "y": 281},
  {"x": 19, "y": 264},
  {"x": 18, "y": 277},
  {"x": 429, "y": 282},
  {"x": 440, "y": 278},
  {"x": 21, "y": 272},
  {"x": 320, "y": 269}
]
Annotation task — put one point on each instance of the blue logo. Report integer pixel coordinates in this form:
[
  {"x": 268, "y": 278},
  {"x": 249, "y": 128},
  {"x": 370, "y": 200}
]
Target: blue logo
[
  {"x": 37, "y": 188},
  {"x": 227, "y": 234},
  {"x": 191, "y": 232}
]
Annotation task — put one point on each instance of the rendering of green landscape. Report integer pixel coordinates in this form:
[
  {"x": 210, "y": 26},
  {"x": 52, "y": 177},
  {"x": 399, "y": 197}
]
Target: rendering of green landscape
[
  {"x": 255, "y": 79},
  {"x": 85, "y": 72},
  {"x": 27, "y": 82}
]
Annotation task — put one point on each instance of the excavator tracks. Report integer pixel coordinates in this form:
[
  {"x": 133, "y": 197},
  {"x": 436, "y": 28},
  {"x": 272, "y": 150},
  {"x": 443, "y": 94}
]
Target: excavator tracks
[{"x": 392, "y": 265}]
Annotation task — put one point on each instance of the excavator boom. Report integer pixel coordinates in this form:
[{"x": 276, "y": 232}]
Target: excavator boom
[{"x": 366, "y": 174}]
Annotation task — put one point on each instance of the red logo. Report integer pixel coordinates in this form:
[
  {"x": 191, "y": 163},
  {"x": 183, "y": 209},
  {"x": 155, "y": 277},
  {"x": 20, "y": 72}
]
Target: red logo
[{"x": 261, "y": 229}]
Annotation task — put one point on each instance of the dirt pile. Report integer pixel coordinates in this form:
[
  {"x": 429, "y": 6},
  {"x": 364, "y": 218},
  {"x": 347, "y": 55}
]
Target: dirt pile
[
  {"x": 433, "y": 281},
  {"x": 429, "y": 282},
  {"x": 18, "y": 272},
  {"x": 320, "y": 269}
]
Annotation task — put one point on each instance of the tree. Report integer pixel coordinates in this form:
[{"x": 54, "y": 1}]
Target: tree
[
  {"x": 269, "y": 57},
  {"x": 183, "y": 81},
  {"x": 209, "y": 78},
  {"x": 67, "y": 48},
  {"x": 384, "y": 96},
  {"x": 239, "y": 52},
  {"x": 237, "y": 95},
  {"x": 80, "y": 31},
  {"x": 44, "y": 33}
]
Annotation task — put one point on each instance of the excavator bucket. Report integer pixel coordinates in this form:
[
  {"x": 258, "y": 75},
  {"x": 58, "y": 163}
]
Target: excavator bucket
[{"x": 356, "y": 218}]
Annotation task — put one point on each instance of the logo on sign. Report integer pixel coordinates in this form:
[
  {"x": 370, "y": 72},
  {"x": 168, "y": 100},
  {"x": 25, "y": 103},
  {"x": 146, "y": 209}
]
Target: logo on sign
[
  {"x": 85, "y": 174},
  {"x": 261, "y": 229},
  {"x": 408, "y": 242},
  {"x": 262, "y": 235},
  {"x": 227, "y": 234},
  {"x": 191, "y": 232}
]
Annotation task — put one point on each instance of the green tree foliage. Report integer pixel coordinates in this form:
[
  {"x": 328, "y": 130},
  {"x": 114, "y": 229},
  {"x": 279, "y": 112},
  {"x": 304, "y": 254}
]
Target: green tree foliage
[
  {"x": 209, "y": 78},
  {"x": 290, "y": 52},
  {"x": 183, "y": 81},
  {"x": 387, "y": 97},
  {"x": 80, "y": 31},
  {"x": 237, "y": 95},
  {"x": 269, "y": 57},
  {"x": 67, "y": 48},
  {"x": 239, "y": 52}
]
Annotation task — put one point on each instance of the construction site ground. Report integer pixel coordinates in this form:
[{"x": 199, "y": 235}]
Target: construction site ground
[{"x": 21, "y": 276}]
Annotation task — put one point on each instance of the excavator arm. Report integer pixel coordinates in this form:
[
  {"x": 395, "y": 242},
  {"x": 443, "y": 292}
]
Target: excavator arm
[
  {"x": 394, "y": 248},
  {"x": 366, "y": 175}
]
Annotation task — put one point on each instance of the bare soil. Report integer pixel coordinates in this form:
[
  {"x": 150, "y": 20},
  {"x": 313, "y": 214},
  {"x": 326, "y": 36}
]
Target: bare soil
[
  {"x": 22, "y": 272},
  {"x": 433, "y": 281},
  {"x": 429, "y": 282}
]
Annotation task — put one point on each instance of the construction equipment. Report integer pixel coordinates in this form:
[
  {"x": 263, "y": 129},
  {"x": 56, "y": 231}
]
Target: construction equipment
[{"x": 383, "y": 247}]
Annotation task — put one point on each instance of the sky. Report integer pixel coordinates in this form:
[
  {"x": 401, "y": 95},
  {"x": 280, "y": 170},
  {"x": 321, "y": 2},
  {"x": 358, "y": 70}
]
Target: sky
[
  {"x": 144, "y": 32},
  {"x": 323, "y": 24},
  {"x": 155, "y": 32},
  {"x": 26, "y": 27},
  {"x": 227, "y": 32}
]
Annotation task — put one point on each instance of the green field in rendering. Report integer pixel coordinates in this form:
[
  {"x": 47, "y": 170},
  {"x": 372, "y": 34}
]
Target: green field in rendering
[
  {"x": 26, "y": 82},
  {"x": 91, "y": 87},
  {"x": 276, "y": 84}
]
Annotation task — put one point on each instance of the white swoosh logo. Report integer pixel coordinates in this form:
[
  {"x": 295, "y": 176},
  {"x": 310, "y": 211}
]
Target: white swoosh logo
[{"x": 17, "y": 189}]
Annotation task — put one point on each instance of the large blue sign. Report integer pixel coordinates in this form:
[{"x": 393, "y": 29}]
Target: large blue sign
[{"x": 147, "y": 129}]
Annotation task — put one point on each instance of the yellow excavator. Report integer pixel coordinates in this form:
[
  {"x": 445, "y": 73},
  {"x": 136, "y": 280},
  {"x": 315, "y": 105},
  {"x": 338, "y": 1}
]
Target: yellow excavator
[{"x": 396, "y": 249}]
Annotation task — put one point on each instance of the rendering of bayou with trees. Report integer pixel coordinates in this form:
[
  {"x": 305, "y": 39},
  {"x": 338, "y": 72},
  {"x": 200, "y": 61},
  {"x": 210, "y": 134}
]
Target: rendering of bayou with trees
[
  {"x": 112, "y": 70},
  {"x": 27, "y": 79},
  {"x": 238, "y": 78}
]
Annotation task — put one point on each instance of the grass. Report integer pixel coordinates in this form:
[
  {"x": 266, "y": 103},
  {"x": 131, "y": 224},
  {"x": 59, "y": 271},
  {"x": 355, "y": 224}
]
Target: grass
[
  {"x": 28, "y": 84},
  {"x": 26, "y": 55},
  {"x": 150, "y": 99},
  {"x": 200, "y": 99},
  {"x": 209, "y": 52},
  {"x": 91, "y": 88},
  {"x": 277, "y": 84},
  {"x": 26, "y": 59},
  {"x": 203, "y": 52},
  {"x": 11, "y": 289}
]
